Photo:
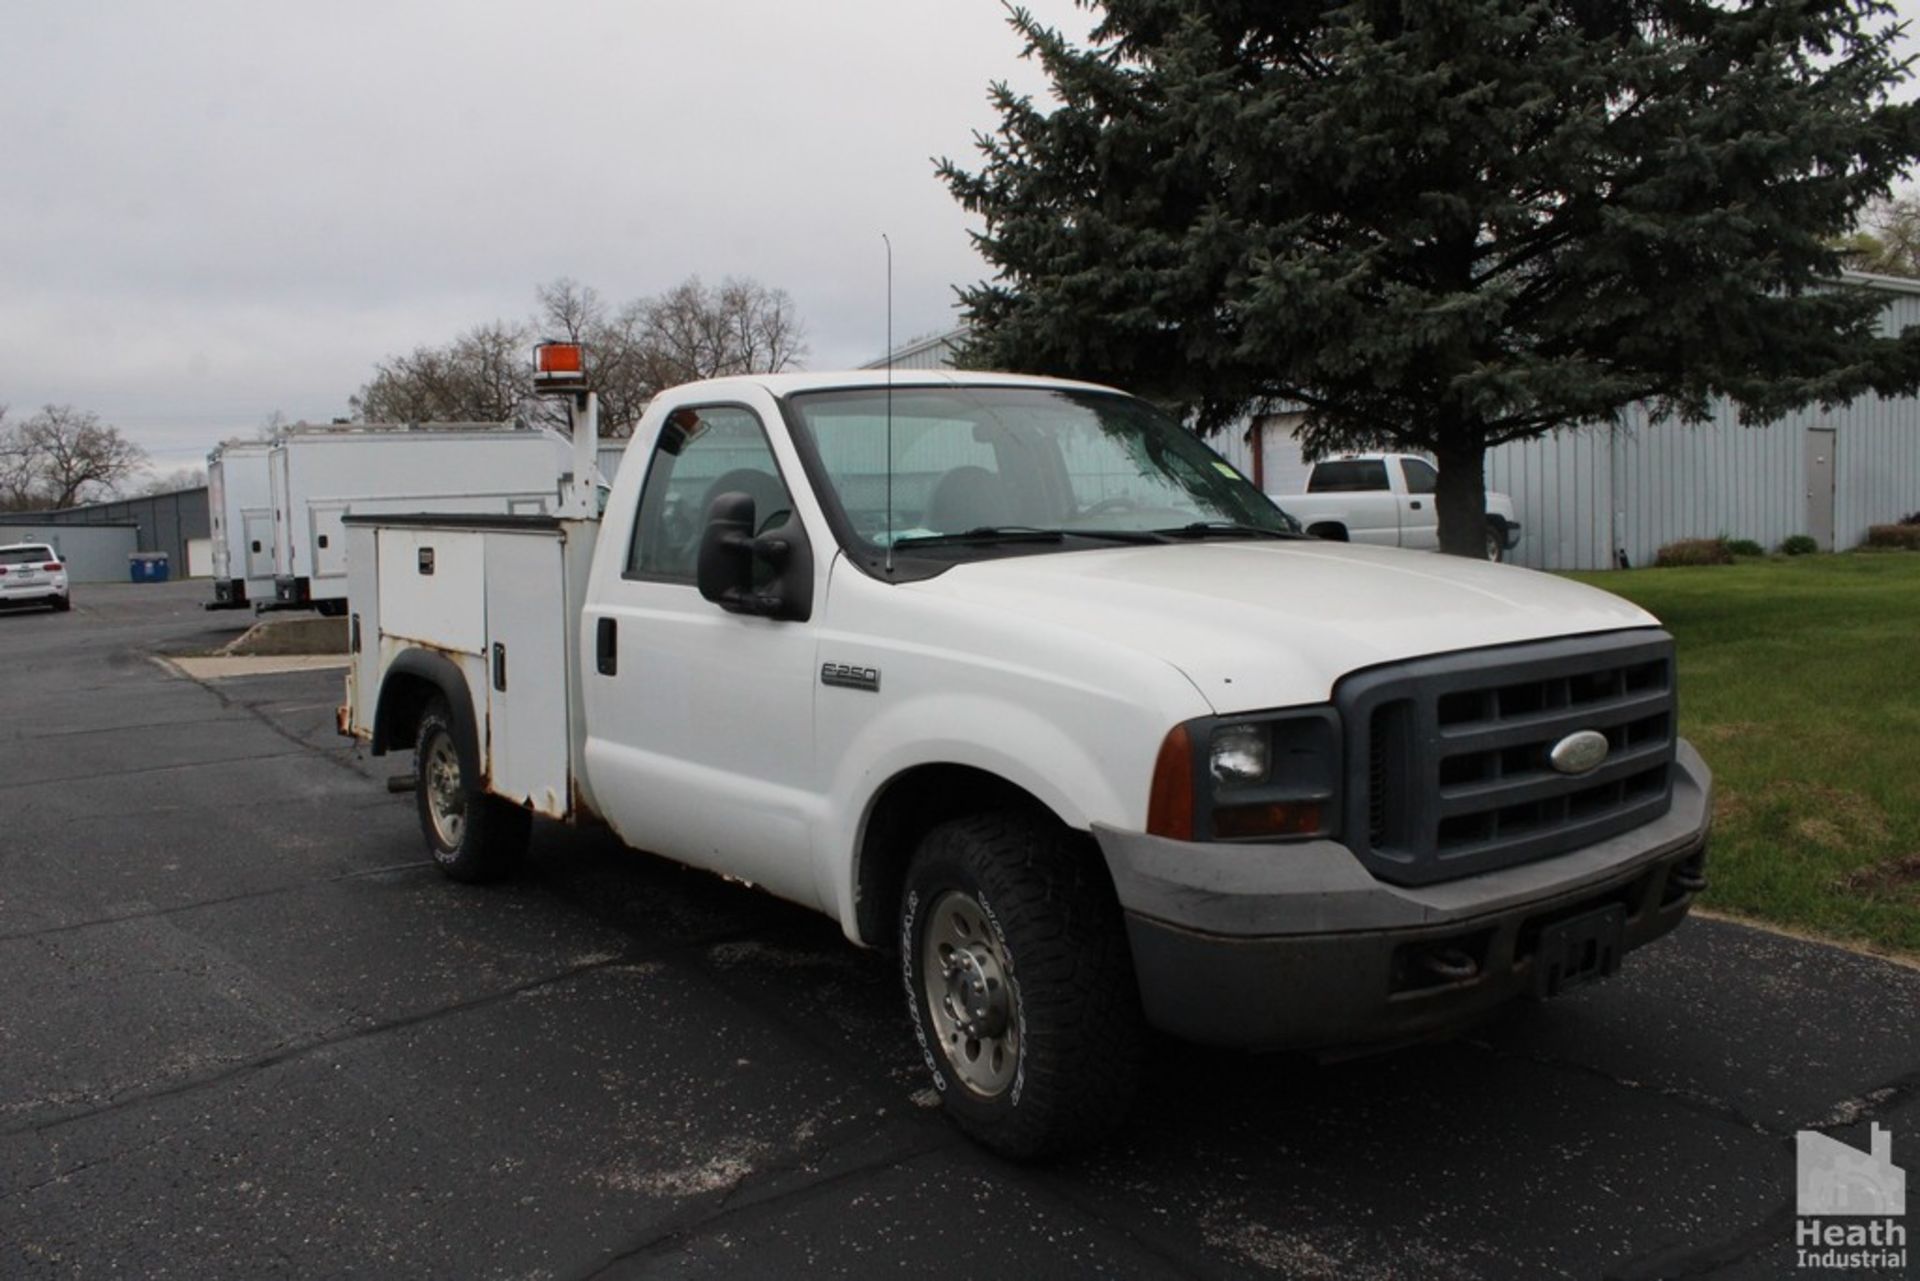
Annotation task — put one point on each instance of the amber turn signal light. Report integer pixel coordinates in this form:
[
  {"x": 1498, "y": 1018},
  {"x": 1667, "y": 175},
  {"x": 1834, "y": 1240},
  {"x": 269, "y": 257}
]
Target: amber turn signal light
[
  {"x": 1279, "y": 818},
  {"x": 1170, "y": 801}
]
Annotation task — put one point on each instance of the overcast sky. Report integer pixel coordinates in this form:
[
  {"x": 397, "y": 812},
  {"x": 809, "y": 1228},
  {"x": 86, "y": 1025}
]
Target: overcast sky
[{"x": 213, "y": 211}]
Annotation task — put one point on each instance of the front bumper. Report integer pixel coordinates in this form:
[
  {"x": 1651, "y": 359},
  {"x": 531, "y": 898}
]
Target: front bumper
[{"x": 1299, "y": 947}]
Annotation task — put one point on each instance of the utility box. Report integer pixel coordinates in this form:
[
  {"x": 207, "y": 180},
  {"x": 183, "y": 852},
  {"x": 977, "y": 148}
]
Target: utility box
[{"x": 148, "y": 567}]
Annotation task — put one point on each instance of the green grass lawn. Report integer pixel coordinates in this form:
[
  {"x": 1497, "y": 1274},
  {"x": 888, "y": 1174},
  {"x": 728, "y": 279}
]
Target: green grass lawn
[{"x": 1800, "y": 684}]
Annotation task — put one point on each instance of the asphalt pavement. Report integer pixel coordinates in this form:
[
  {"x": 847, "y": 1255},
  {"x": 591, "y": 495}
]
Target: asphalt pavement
[{"x": 247, "y": 1030}]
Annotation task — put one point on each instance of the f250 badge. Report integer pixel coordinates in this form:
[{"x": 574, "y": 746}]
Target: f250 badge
[{"x": 849, "y": 676}]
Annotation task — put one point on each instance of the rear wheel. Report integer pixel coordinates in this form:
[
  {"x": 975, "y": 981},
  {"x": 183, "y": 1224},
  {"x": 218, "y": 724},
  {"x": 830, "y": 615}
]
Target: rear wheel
[
  {"x": 1019, "y": 984},
  {"x": 63, "y": 603},
  {"x": 1496, "y": 541},
  {"x": 473, "y": 836}
]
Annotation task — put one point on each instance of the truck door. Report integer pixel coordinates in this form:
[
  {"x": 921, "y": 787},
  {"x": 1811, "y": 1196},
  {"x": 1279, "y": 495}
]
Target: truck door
[
  {"x": 1419, "y": 519},
  {"x": 699, "y": 722}
]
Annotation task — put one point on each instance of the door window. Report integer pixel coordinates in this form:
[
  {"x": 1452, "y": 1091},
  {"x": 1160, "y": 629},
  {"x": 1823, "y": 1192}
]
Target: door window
[
  {"x": 1421, "y": 477},
  {"x": 702, "y": 454}
]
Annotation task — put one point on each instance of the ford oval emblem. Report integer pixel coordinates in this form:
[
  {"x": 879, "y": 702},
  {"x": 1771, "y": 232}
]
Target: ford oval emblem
[{"x": 1579, "y": 752}]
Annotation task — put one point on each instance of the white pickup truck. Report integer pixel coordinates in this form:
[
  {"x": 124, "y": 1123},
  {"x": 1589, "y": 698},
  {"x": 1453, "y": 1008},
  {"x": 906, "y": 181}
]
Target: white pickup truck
[
  {"x": 1387, "y": 499},
  {"x": 1020, "y": 680}
]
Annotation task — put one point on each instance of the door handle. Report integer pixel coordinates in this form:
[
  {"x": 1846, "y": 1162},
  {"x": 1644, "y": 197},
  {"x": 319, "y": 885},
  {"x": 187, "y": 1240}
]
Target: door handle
[
  {"x": 606, "y": 647},
  {"x": 1416, "y": 504}
]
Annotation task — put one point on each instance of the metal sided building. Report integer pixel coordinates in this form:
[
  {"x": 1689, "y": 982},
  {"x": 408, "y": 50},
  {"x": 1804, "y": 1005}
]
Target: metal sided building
[
  {"x": 92, "y": 553},
  {"x": 165, "y": 522},
  {"x": 1606, "y": 494}
]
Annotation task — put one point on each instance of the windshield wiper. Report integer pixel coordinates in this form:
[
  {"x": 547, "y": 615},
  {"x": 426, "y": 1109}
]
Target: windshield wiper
[
  {"x": 1142, "y": 536},
  {"x": 1222, "y": 529},
  {"x": 1031, "y": 534},
  {"x": 985, "y": 534}
]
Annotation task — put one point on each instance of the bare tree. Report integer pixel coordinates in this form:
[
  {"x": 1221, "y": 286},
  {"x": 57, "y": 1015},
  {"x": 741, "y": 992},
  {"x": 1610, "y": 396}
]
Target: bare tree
[
  {"x": 174, "y": 481},
  {"x": 62, "y": 456},
  {"x": 16, "y": 468},
  {"x": 569, "y": 310},
  {"x": 619, "y": 369},
  {"x": 693, "y": 331},
  {"x": 482, "y": 376},
  {"x": 690, "y": 332},
  {"x": 1888, "y": 239}
]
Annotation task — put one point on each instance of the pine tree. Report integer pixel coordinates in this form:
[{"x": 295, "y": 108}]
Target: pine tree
[{"x": 1440, "y": 225}]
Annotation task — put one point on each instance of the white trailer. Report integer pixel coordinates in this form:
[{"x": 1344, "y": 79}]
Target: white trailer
[
  {"x": 318, "y": 475},
  {"x": 240, "y": 514}
]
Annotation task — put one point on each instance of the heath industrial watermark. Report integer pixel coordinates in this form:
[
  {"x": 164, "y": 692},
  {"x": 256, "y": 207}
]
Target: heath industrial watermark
[{"x": 1852, "y": 1205}]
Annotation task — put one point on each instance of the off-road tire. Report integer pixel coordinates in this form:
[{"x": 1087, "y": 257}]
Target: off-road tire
[
  {"x": 1051, "y": 911},
  {"x": 491, "y": 836}
]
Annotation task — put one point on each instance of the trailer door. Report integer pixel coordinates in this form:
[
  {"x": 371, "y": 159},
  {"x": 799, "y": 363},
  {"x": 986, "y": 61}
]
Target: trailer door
[
  {"x": 329, "y": 539},
  {"x": 256, "y": 526}
]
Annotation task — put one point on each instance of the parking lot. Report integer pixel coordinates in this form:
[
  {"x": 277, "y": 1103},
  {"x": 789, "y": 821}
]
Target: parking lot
[{"x": 247, "y": 1029}]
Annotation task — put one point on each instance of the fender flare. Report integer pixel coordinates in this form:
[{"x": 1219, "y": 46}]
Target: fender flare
[{"x": 439, "y": 671}]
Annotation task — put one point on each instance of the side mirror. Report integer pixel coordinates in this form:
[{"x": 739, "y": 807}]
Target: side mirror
[{"x": 731, "y": 556}]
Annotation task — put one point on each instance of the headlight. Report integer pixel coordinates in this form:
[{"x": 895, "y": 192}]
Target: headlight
[
  {"x": 1261, "y": 777},
  {"x": 1241, "y": 754}
]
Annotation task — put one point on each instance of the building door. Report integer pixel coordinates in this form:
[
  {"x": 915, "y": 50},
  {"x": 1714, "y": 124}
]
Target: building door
[
  {"x": 1278, "y": 466},
  {"x": 1820, "y": 446}
]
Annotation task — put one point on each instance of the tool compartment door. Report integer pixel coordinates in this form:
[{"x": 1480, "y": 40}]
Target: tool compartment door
[{"x": 526, "y": 664}]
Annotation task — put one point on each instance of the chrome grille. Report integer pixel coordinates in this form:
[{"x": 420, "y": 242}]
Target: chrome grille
[{"x": 1448, "y": 770}]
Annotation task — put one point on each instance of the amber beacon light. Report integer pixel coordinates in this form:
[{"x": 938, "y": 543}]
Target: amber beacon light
[{"x": 559, "y": 366}]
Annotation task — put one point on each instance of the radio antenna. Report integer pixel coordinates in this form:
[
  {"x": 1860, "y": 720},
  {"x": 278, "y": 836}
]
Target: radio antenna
[{"x": 890, "y": 530}]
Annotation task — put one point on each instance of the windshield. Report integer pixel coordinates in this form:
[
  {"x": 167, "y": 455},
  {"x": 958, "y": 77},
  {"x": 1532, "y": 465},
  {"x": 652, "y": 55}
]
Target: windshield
[
  {"x": 25, "y": 555},
  {"x": 1041, "y": 467}
]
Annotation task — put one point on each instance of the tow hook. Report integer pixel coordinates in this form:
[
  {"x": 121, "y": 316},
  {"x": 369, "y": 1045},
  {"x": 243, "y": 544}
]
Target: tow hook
[
  {"x": 1690, "y": 880},
  {"x": 1449, "y": 963}
]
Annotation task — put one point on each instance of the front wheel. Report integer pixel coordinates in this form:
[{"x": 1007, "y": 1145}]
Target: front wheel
[
  {"x": 473, "y": 836},
  {"x": 1019, "y": 984}
]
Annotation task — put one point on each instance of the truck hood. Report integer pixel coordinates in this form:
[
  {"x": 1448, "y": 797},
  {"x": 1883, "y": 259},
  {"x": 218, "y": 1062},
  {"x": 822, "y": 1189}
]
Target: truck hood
[{"x": 1274, "y": 624}]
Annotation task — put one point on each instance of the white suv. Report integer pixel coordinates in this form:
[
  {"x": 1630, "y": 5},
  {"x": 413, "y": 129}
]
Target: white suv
[{"x": 32, "y": 573}]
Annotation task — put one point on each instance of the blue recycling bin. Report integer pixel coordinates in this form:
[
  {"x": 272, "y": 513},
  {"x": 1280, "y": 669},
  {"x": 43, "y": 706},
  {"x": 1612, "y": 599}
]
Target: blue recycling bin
[{"x": 148, "y": 567}]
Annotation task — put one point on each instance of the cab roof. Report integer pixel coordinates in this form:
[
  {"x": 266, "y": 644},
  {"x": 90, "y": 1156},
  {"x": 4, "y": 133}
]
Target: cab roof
[{"x": 826, "y": 380}]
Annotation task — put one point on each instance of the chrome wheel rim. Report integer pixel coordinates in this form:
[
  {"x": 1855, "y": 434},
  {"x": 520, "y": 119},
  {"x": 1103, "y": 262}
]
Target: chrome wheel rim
[
  {"x": 446, "y": 799},
  {"x": 967, "y": 978}
]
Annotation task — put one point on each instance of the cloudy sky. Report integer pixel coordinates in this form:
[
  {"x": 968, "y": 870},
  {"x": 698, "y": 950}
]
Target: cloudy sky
[{"x": 213, "y": 211}]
